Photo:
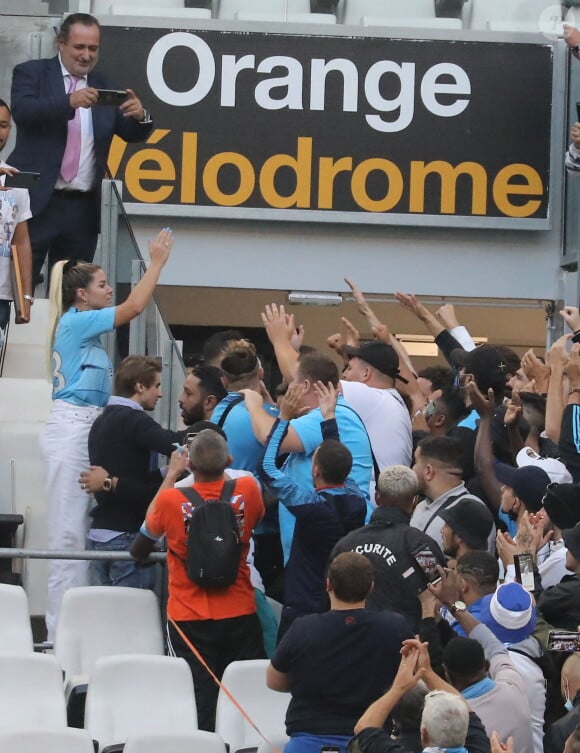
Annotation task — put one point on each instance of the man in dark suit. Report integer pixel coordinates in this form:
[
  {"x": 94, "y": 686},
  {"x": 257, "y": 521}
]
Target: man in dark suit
[{"x": 64, "y": 137}]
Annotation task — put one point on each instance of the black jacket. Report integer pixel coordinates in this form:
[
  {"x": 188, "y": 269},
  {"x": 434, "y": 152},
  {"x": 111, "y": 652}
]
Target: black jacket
[
  {"x": 121, "y": 440},
  {"x": 560, "y": 604},
  {"x": 560, "y": 731},
  {"x": 372, "y": 740},
  {"x": 388, "y": 541}
]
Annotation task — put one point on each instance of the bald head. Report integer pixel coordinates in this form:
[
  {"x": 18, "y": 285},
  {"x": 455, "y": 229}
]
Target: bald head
[
  {"x": 208, "y": 454},
  {"x": 571, "y": 676}
]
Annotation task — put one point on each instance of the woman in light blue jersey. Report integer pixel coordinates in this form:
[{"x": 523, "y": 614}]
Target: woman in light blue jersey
[{"x": 81, "y": 374}]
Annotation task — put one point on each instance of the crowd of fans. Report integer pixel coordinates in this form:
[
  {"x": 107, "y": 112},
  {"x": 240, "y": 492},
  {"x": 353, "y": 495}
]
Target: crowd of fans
[
  {"x": 420, "y": 528},
  {"x": 458, "y": 485}
]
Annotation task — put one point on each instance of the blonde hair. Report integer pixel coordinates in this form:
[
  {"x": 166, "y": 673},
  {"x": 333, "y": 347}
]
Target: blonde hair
[{"x": 66, "y": 277}]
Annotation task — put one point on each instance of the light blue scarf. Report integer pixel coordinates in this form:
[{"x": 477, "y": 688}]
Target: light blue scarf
[{"x": 479, "y": 688}]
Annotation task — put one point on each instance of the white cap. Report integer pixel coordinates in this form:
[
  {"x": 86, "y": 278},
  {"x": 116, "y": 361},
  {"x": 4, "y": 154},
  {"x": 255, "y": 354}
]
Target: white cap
[{"x": 555, "y": 469}]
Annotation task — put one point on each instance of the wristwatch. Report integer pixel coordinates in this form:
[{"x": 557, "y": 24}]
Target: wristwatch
[
  {"x": 28, "y": 297},
  {"x": 457, "y": 606},
  {"x": 107, "y": 484}
]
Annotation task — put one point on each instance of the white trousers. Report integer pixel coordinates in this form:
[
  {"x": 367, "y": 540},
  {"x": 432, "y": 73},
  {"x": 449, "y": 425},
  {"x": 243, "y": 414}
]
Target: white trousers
[{"x": 64, "y": 447}]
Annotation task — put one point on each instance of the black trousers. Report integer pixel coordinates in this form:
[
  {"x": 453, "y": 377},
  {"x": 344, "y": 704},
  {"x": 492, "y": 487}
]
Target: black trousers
[
  {"x": 67, "y": 228},
  {"x": 220, "y": 642}
]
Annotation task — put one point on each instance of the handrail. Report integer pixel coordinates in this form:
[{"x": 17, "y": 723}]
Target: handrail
[
  {"x": 149, "y": 334},
  {"x": 88, "y": 554}
]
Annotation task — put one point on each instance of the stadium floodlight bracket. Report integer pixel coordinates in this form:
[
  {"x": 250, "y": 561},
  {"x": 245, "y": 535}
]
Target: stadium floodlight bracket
[{"x": 314, "y": 299}]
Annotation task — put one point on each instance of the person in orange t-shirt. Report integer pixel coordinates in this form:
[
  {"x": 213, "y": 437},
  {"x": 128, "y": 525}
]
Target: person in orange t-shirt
[{"x": 221, "y": 623}]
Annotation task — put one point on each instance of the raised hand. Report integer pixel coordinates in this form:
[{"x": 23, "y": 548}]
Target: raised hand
[
  {"x": 335, "y": 342},
  {"x": 512, "y": 413},
  {"x": 536, "y": 370},
  {"x": 278, "y": 324},
  {"x": 483, "y": 405},
  {"x": 327, "y": 396},
  {"x": 291, "y": 405},
  {"x": 297, "y": 337},
  {"x": 446, "y": 315},
  {"x": 570, "y": 314},
  {"x": 160, "y": 247},
  {"x": 352, "y": 333}
]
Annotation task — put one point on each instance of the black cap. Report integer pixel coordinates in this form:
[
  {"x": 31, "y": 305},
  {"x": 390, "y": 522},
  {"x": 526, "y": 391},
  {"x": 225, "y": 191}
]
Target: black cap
[
  {"x": 528, "y": 483},
  {"x": 486, "y": 365},
  {"x": 379, "y": 355},
  {"x": 571, "y": 538},
  {"x": 470, "y": 520},
  {"x": 562, "y": 503}
]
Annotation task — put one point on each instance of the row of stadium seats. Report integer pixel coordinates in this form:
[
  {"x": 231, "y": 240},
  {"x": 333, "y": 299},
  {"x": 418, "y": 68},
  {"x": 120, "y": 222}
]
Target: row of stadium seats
[
  {"x": 109, "y": 644},
  {"x": 138, "y": 694},
  {"x": 494, "y": 15}
]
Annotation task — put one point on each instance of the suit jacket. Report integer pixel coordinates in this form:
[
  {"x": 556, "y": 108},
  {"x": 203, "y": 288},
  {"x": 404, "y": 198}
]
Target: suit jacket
[{"x": 41, "y": 111}]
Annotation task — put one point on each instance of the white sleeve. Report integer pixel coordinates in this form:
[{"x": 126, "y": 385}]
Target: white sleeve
[{"x": 463, "y": 337}]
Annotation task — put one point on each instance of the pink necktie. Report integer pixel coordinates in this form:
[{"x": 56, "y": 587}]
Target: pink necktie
[{"x": 72, "y": 152}]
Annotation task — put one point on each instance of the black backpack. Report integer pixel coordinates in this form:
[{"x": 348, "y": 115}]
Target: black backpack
[{"x": 213, "y": 539}]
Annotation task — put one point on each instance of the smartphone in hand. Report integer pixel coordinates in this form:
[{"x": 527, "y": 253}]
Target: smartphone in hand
[
  {"x": 111, "y": 97},
  {"x": 21, "y": 180}
]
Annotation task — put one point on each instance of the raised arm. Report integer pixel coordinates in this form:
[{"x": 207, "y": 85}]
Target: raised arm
[
  {"x": 483, "y": 455},
  {"x": 406, "y": 678},
  {"x": 556, "y": 359},
  {"x": 280, "y": 329},
  {"x": 262, "y": 423},
  {"x": 139, "y": 297}
]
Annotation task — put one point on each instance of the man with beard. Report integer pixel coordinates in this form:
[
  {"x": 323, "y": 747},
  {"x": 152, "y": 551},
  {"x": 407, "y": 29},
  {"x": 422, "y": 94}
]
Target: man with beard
[
  {"x": 466, "y": 528},
  {"x": 439, "y": 473},
  {"x": 202, "y": 391}
]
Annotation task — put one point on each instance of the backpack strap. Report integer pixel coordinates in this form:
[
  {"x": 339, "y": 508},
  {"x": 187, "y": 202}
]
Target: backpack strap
[
  {"x": 444, "y": 506},
  {"x": 195, "y": 498},
  {"x": 376, "y": 468},
  {"x": 222, "y": 419}
]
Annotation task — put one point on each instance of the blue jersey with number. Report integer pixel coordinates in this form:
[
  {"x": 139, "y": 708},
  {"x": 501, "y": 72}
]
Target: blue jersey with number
[{"x": 81, "y": 370}]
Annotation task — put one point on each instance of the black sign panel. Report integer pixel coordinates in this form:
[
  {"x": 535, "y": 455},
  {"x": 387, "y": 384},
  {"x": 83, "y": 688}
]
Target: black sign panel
[{"x": 358, "y": 126}]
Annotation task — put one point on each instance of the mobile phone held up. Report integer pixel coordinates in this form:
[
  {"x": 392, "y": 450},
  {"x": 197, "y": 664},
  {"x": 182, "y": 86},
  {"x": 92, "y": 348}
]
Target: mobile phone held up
[
  {"x": 427, "y": 563},
  {"x": 578, "y": 111},
  {"x": 563, "y": 640},
  {"x": 524, "y": 567},
  {"x": 111, "y": 97},
  {"x": 21, "y": 180}
]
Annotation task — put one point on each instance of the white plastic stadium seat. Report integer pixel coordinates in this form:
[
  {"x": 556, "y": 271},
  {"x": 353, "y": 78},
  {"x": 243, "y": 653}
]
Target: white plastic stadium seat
[
  {"x": 296, "y": 18},
  {"x": 144, "y": 695},
  {"x": 355, "y": 10},
  {"x": 101, "y": 7},
  {"x": 274, "y": 9},
  {"x": 514, "y": 15},
  {"x": 31, "y": 693},
  {"x": 159, "y": 10},
  {"x": 246, "y": 681},
  {"x": 46, "y": 741},
  {"x": 100, "y": 621},
  {"x": 15, "y": 628},
  {"x": 413, "y": 23},
  {"x": 198, "y": 742}
]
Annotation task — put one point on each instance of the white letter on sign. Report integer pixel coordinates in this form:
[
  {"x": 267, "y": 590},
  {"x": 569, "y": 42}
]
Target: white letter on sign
[{"x": 155, "y": 69}]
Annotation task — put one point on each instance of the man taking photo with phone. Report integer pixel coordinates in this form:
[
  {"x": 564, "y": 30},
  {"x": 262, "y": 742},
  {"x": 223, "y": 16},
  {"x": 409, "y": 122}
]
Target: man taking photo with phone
[{"x": 65, "y": 137}]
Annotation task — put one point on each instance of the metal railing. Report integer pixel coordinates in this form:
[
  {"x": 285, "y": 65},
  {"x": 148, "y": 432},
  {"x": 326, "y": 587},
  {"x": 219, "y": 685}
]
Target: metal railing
[
  {"x": 74, "y": 554},
  {"x": 148, "y": 334}
]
